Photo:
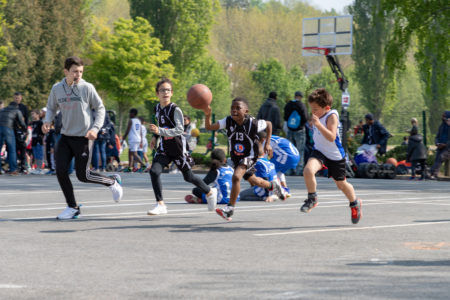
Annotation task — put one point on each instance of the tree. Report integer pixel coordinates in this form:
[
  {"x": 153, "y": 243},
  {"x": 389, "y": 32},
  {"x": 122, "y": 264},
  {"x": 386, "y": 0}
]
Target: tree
[
  {"x": 3, "y": 48},
  {"x": 428, "y": 22},
  {"x": 128, "y": 63},
  {"x": 42, "y": 34},
  {"x": 372, "y": 31},
  {"x": 211, "y": 73},
  {"x": 270, "y": 76},
  {"x": 182, "y": 26}
]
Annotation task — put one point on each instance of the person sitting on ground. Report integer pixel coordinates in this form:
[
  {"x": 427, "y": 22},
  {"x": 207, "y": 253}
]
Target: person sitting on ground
[
  {"x": 219, "y": 176},
  {"x": 263, "y": 169}
]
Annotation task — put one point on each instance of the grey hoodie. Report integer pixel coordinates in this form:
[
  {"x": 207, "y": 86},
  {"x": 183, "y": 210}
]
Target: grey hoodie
[{"x": 76, "y": 104}]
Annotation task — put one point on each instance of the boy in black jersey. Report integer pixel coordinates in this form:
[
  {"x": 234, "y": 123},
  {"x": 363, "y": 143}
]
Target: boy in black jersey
[
  {"x": 172, "y": 147},
  {"x": 242, "y": 131}
]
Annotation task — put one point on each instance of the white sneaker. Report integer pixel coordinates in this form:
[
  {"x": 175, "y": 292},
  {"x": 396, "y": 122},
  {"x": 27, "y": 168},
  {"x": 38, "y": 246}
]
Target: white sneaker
[
  {"x": 116, "y": 188},
  {"x": 212, "y": 199},
  {"x": 278, "y": 190},
  {"x": 69, "y": 213},
  {"x": 158, "y": 210}
]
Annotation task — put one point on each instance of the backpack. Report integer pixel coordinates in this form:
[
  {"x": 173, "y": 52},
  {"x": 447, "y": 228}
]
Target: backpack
[{"x": 293, "y": 121}]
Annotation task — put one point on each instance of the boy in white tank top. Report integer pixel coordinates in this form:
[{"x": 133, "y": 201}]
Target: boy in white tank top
[
  {"x": 328, "y": 151},
  {"x": 135, "y": 138}
]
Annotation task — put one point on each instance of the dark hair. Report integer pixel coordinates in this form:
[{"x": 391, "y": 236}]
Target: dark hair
[
  {"x": 134, "y": 111},
  {"x": 218, "y": 157},
  {"x": 273, "y": 95},
  {"x": 241, "y": 99},
  {"x": 321, "y": 97},
  {"x": 73, "y": 60},
  {"x": 262, "y": 135},
  {"x": 161, "y": 81}
]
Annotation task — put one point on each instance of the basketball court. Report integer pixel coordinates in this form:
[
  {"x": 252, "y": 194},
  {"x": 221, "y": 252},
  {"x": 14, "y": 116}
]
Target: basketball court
[{"x": 399, "y": 250}]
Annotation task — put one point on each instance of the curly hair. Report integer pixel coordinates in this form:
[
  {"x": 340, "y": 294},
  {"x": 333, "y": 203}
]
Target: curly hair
[{"x": 321, "y": 97}]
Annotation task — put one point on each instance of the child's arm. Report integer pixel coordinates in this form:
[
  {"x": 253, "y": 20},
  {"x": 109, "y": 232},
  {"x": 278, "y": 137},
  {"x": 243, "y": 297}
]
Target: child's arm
[
  {"x": 267, "y": 147},
  {"x": 208, "y": 125},
  {"x": 328, "y": 132},
  {"x": 127, "y": 131}
]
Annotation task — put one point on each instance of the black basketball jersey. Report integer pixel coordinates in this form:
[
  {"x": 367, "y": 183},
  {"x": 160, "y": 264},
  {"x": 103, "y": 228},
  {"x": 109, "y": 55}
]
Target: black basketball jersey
[
  {"x": 169, "y": 145},
  {"x": 242, "y": 139}
]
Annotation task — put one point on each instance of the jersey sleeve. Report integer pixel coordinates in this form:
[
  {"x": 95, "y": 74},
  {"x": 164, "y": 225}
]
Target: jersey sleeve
[
  {"x": 179, "y": 125},
  {"x": 222, "y": 123},
  {"x": 261, "y": 125}
]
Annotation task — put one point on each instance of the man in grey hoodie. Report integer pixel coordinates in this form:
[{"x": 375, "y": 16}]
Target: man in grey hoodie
[{"x": 76, "y": 99}]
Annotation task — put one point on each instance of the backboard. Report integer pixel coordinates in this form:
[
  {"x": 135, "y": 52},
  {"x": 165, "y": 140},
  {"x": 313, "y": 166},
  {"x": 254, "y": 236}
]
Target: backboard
[{"x": 327, "y": 36}]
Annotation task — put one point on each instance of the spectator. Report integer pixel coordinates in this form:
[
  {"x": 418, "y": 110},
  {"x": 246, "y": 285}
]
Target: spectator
[
  {"x": 2, "y": 105},
  {"x": 37, "y": 141},
  {"x": 143, "y": 147},
  {"x": 10, "y": 117},
  {"x": 50, "y": 150},
  {"x": 295, "y": 117},
  {"x": 417, "y": 153},
  {"x": 405, "y": 140},
  {"x": 442, "y": 142},
  {"x": 99, "y": 149},
  {"x": 134, "y": 134},
  {"x": 22, "y": 107},
  {"x": 42, "y": 113},
  {"x": 270, "y": 111},
  {"x": 375, "y": 134},
  {"x": 190, "y": 140},
  {"x": 358, "y": 128}
]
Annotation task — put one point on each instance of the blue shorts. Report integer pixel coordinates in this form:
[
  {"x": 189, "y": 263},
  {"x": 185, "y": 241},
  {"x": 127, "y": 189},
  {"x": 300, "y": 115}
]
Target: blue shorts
[
  {"x": 291, "y": 163},
  {"x": 38, "y": 152}
]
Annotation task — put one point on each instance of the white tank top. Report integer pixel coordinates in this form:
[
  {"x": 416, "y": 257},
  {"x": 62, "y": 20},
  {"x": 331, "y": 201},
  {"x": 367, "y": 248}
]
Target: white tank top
[
  {"x": 134, "y": 136},
  {"x": 332, "y": 150}
]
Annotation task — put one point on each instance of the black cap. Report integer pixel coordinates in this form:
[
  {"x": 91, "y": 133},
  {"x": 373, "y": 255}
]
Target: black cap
[
  {"x": 299, "y": 94},
  {"x": 369, "y": 117},
  {"x": 17, "y": 93}
]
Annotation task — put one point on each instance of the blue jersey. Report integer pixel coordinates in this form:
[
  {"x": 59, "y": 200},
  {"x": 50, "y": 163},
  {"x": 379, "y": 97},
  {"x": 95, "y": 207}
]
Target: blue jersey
[
  {"x": 264, "y": 169},
  {"x": 223, "y": 185},
  {"x": 285, "y": 154}
]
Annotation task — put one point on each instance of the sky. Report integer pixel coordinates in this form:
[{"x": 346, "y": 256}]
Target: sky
[{"x": 338, "y": 5}]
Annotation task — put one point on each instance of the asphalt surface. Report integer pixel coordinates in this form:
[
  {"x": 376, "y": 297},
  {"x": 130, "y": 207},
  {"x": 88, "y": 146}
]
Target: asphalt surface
[{"x": 399, "y": 250}]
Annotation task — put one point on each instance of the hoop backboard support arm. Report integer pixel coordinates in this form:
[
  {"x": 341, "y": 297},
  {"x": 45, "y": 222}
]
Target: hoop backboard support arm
[{"x": 331, "y": 36}]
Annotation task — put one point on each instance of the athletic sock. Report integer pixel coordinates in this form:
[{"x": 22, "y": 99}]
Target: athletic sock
[{"x": 312, "y": 195}]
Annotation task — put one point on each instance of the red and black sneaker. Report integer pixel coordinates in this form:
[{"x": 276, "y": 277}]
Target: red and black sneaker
[
  {"x": 310, "y": 203},
  {"x": 355, "y": 208},
  {"x": 225, "y": 212}
]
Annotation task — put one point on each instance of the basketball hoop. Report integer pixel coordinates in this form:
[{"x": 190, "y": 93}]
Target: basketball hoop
[{"x": 318, "y": 50}]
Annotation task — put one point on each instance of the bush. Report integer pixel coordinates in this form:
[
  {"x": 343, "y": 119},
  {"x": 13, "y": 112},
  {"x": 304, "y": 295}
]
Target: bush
[
  {"x": 201, "y": 159},
  {"x": 399, "y": 153}
]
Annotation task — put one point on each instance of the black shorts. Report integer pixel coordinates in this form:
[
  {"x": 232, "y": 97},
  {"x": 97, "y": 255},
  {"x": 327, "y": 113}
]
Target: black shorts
[
  {"x": 248, "y": 162},
  {"x": 336, "y": 168},
  {"x": 183, "y": 163}
]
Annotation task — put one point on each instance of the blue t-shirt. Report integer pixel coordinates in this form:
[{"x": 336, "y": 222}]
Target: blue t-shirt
[
  {"x": 285, "y": 154},
  {"x": 264, "y": 169},
  {"x": 223, "y": 185}
]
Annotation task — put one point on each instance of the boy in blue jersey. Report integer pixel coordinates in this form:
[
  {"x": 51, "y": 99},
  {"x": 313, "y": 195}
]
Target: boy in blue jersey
[
  {"x": 285, "y": 157},
  {"x": 264, "y": 169},
  {"x": 328, "y": 151},
  {"x": 219, "y": 176}
]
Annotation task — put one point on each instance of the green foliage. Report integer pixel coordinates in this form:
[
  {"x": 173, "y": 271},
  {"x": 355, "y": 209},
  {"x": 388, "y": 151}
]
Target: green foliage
[
  {"x": 128, "y": 63},
  {"x": 398, "y": 152},
  {"x": 200, "y": 159},
  {"x": 182, "y": 26},
  {"x": 428, "y": 22},
  {"x": 209, "y": 72},
  {"x": 41, "y": 34},
  {"x": 271, "y": 75},
  {"x": 3, "y": 48},
  {"x": 372, "y": 31}
]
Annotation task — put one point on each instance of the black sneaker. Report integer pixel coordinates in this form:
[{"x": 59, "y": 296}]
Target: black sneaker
[
  {"x": 355, "y": 208},
  {"x": 310, "y": 203},
  {"x": 225, "y": 212}
]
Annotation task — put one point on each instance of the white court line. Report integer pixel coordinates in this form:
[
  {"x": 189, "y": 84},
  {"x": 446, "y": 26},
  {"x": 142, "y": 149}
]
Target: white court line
[
  {"x": 351, "y": 228},
  {"x": 202, "y": 210},
  {"x": 11, "y": 286}
]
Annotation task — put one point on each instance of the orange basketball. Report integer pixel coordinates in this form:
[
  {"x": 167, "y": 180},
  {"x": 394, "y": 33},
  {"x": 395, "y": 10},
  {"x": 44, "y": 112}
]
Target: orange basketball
[
  {"x": 199, "y": 96},
  {"x": 391, "y": 161}
]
